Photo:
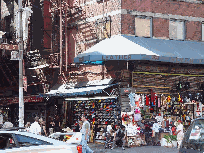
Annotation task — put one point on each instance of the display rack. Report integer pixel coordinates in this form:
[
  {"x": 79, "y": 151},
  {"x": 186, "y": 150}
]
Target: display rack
[{"x": 99, "y": 112}]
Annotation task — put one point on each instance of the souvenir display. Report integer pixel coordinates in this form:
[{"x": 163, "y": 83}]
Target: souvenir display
[{"x": 99, "y": 112}]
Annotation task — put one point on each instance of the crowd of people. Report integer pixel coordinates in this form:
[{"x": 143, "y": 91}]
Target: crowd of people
[
  {"x": 146, "y": 131},
  {"x": 143, "y": 129}
]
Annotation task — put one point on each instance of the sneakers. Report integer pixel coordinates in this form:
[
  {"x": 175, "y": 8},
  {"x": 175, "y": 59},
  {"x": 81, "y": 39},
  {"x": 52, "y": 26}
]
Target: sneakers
[
  {"x": 112, "y": 148},
  {"x": 123, "y": 148}
]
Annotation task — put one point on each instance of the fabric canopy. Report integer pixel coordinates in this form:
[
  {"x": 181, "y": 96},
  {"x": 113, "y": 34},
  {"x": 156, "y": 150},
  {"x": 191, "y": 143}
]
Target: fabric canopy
[
  {"x": 124, "y": 47},
  {"x": 91, "y": 87}
]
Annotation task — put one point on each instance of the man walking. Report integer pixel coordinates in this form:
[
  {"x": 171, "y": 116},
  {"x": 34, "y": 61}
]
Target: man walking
[
  {"x": 35, "y": 127},
  {"x": 85, "y": 135},
  {"x": 179, "y": 132}
]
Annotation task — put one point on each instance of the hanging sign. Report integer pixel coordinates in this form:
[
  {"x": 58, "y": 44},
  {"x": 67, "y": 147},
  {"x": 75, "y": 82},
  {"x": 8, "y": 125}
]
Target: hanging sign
[{"x": 9, "y": 47}]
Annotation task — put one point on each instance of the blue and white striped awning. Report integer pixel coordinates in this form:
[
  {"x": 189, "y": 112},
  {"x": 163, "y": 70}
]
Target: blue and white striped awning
[{"x": 124, "y": 47}]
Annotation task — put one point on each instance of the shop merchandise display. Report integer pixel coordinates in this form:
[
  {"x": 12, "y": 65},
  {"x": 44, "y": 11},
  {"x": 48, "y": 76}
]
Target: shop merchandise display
[{"x": 99, "y": 112}]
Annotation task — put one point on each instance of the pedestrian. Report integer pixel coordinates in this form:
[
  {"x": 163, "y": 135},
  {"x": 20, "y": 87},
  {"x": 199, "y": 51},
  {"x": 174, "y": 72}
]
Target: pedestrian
[
  {"x": 119, "y": 136},
  {"x": 7, "y": 124},
  {"x": 35, "y": 127},
  {"x": 1, "y": 118},
  {"x": 85, "y": 135},
  {"x": 179, "y": 132},
  {"x": 155, "y": 133},
  {"x": 51, "y": 126},
  {"x": 27, "y": 126},
  {"x": 77, "y": 129},
  {"x": 43, "y": 128},
  {"x": 57, "y": 124}
]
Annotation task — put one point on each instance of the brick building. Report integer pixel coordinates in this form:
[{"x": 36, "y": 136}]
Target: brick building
[{"x": 169, "y": 20}]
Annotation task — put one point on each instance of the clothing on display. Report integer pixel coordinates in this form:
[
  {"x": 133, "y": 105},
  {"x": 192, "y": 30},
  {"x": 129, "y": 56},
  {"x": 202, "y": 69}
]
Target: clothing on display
[
  {"x": 137, "y": 117},
  {"x": 132, "y": 99}
]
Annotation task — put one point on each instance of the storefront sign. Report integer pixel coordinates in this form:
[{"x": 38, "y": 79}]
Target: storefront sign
[
  {"x": 9, "y": 47},
  {"x": 26, "y": 99},
  {"x": 116, "y": 57}
]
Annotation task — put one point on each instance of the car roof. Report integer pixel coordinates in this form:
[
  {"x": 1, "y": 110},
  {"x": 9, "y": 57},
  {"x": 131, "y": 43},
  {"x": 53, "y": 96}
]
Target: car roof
[
  {"x": 35, "y": 136},
  {"x": 200, "y": 118}
]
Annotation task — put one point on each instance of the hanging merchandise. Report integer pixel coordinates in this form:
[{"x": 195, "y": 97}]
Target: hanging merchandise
[
  {"x": 159, "y": 103},
  {"x": 152, "y": 98},
  {"x": 142, "y": 100},
  {"x": 147, "y": 100},
  {"x": 180, "y": 98},
  {"x": 179, "y": 86},
  {"x": 168, "y": 98},
  {"x": 132, "y": 97},
  {"x": 137, "y": 117},
  {"x": 187, "y": 85}
]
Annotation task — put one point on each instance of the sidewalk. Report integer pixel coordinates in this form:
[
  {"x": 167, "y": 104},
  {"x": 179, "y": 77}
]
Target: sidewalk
[{"x": 99, "y": 148}]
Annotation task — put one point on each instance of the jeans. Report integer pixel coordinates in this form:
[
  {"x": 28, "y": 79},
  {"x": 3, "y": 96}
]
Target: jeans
[{"x": 85, "y": 148}]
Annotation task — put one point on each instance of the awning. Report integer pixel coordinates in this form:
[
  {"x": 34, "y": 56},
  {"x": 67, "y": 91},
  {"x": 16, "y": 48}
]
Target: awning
[
  {"x": 90, "y": 98},
  {"x": 124, "y": 47},
  {"x": 78, "y": 91},
  {"x": 92, "y": 87}
]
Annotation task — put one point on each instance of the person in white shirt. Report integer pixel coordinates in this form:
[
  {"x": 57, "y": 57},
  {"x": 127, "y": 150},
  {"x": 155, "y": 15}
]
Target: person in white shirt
[
  {"x": 85, "y": 130},
  {"x": 35, "y": 127},
  {"x": 7, "y": 124},
  {"x": 155, "y": 132},
  {"x": 179, "y": 132}
]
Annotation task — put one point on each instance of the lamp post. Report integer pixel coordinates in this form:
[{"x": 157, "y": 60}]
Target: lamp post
[{"x": 20, "y": 47}]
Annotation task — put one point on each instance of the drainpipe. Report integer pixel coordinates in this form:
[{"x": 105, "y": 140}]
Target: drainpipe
[{"x": 60, "y": 37}]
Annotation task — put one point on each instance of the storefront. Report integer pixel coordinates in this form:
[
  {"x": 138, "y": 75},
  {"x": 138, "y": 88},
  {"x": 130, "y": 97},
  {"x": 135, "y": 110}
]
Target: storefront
[
  {"x": 166, "y": 79},
  {"x": 96, "y": 99}
]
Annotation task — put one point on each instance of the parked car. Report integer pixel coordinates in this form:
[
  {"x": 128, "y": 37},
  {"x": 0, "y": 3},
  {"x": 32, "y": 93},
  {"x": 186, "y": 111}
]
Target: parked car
[
  {"x": 68, "y": 137},
  {"x": 18, "y": 141},
  {"x": 193, "y": 141}
]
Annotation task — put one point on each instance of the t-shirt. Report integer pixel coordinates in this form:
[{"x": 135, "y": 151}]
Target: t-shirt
[
  {"x": 7, "y": 125},
  {"x": 35, "y": 128},
  {"x": 155, "y": 127},
  {"x": 180, "y": 127},
  {"x": 120, "y": 133},
  {"x": 85, "y": 126}
]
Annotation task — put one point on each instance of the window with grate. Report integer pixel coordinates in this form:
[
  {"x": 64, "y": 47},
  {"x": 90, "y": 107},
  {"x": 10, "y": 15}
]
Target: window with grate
[{"x": 177, "y": 29}]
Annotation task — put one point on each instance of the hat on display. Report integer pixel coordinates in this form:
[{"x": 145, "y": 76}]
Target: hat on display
[{"x": 179, "y": 121}]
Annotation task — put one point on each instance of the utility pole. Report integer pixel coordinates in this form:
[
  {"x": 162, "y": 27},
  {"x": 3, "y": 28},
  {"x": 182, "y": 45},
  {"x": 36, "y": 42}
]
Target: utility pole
[
  {"x": 60, "y": 37},
  {"x": 20, "y": 48}
]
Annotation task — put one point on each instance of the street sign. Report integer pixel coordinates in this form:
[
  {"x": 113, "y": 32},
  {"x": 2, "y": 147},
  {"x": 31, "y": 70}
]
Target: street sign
[{"x": 14, "y": 55}]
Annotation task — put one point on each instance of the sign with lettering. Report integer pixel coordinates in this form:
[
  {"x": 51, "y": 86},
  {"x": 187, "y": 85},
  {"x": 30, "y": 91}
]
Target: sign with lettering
[
  {"x": 9, "y": 47},
  {"x": 116, "y": 57},
  {"x": 93, "y": 58}
]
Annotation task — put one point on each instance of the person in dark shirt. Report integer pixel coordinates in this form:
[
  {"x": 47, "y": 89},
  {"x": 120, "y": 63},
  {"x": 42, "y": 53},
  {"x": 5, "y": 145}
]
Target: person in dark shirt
[
  {"x": 77, "y": 129},
  {"x": 120, "y": 135},
  {"x": 57, "y": 124}
]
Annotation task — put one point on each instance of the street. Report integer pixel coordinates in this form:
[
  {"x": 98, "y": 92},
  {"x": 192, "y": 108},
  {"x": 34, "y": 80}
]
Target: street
[{"x": 99, "y": 148}]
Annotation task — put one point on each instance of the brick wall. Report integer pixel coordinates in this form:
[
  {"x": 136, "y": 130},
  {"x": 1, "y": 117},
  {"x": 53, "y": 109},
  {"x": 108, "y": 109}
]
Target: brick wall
[
  {"x": 165, "y": 7},
  {"x": 193, "y": 30},
  {"x": 127, "y": 24},
  {"x": 160, "y": 28}
]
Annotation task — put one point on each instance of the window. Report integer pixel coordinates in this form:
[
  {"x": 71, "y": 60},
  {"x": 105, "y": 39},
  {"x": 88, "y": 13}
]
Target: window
[
  {"x": 25, "y": 141},
  {"x": 202, "y": 31},
  {"x": 143, "y": 26},
  {"x": 197, "y": 131},
  {"x": 6, "y": 141},
  {"x": 177, "y": 29}
]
